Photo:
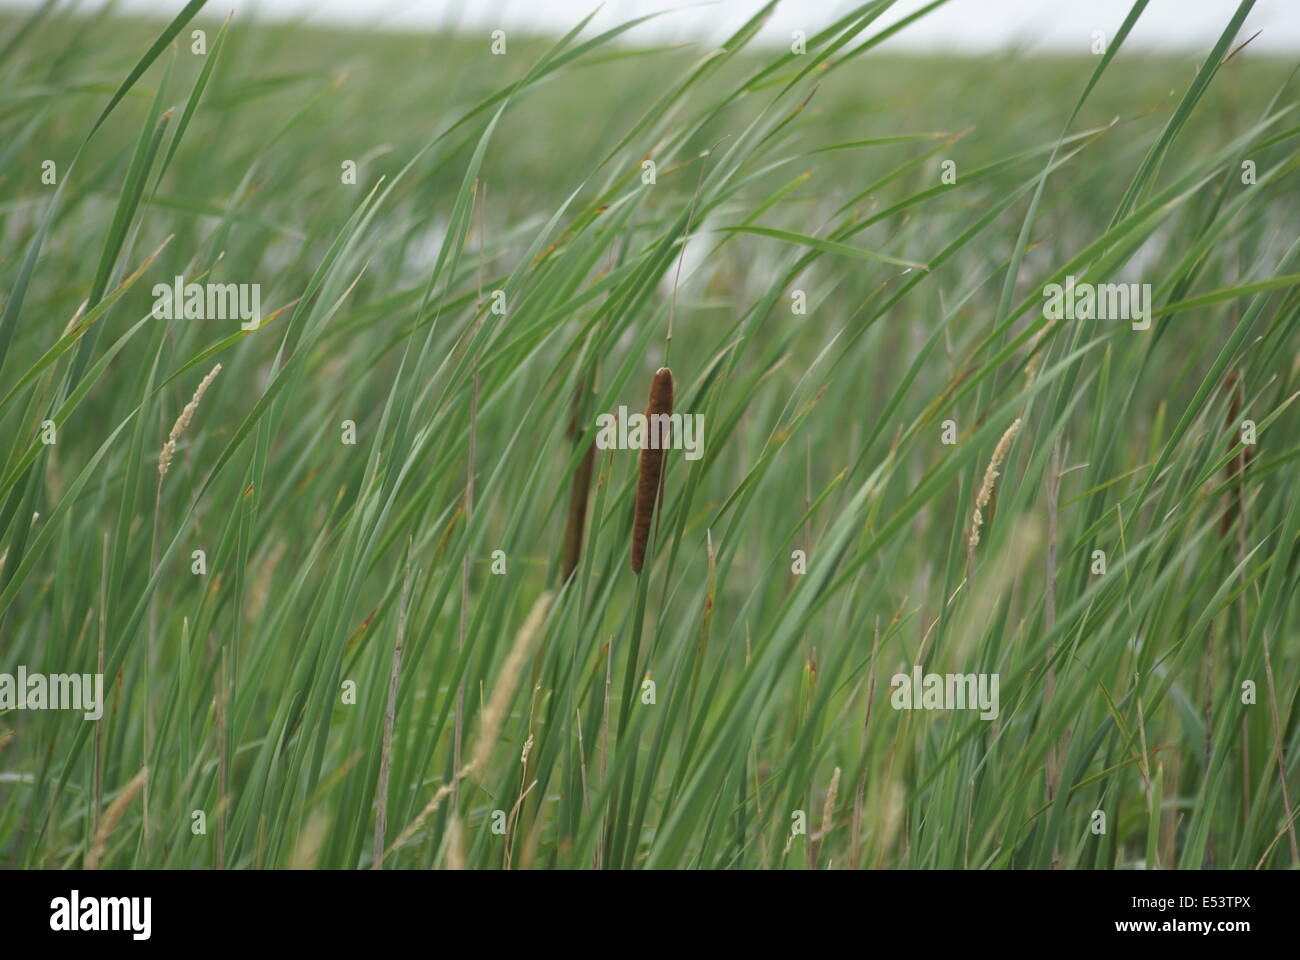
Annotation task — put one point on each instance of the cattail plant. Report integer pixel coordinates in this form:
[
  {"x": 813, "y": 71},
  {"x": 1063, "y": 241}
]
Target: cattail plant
[
  {"x": 652, "y": 464},
  {"x": 1233, "y": 472},
  {"x": 578, "y": 494}
]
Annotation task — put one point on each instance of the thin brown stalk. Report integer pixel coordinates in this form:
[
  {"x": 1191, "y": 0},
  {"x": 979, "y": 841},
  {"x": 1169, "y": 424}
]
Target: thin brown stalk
[
  {"x": 1208, "y": 863},
  {"x": 604, "y": 742},
  {"x": 386, "y": 750},
  {"x": 1280, "y": 755},
  {"x": 526, "y": 821},
  {"x": 223, "y": 745},
  {"x": 1145, "y": 766},
  {"x": 459, "y": 723},
  {"x": 970, "y": 824},
  {"x": 855, "y": 841},
  {"x": 807, "y": 530},
  {"x": 582, "y": 763},
  {"x": 1049, "y": 623},
  {"x": 1235, "y": 517},
  {"x": 99, "y": 667},
  {"x": 511, "y": 818}
]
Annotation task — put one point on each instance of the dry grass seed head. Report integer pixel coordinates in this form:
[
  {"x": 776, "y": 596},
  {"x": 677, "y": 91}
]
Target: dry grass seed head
[
  {"x": 990, "y": 481},
  {"x": 183, "y": 421}
]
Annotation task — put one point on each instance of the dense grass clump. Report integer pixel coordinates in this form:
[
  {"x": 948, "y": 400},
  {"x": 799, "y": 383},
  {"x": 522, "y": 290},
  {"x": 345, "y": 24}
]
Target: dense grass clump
[{"x": 356, "y": 570}]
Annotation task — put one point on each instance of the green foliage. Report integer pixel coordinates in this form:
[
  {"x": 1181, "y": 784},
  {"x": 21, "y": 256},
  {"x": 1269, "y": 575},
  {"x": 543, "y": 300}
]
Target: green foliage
[{"x": 523, "y": 173}]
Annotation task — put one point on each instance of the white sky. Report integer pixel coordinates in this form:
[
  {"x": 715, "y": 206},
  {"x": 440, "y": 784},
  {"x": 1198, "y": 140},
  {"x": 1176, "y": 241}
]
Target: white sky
[{"x": 974, "y": 25}]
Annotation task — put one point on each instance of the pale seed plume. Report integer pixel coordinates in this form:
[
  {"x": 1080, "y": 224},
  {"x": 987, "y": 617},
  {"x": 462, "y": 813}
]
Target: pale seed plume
[
  {"x": 828, "y": 808},
  {"x": 309, "y": 843},
  {"x": 494, "y": 714},
  {"x": 183, "y": 421},
  {"x": 113, "y": 816},
  {"x": 503, "y": 691},
  {"x": 990, "y": 481},
  {"x": 1036, "y": 358}
]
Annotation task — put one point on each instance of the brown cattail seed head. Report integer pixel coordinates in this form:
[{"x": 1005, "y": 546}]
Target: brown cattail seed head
[
  {"x": 1235, "y": 467},
  {"x": 652, "y": 464}
]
